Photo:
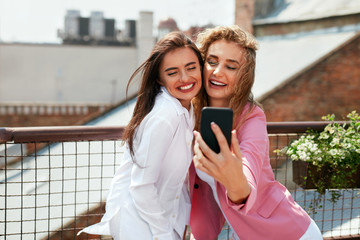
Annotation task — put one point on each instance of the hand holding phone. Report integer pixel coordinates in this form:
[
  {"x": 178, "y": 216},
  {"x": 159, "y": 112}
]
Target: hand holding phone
[{"x": 223, "y": 117}]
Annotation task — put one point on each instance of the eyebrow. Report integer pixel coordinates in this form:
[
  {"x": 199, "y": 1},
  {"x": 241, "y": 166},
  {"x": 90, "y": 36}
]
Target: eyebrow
[
  {"x": 228, "y": 60},
  {"x": 173, "y": 68}
]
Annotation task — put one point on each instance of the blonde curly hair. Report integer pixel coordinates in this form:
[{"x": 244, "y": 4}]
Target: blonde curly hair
[{"x": 242, "y": 92}]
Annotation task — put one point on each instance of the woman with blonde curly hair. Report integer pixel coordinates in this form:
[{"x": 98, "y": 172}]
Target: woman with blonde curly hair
[{"x": 237, "y": 184}]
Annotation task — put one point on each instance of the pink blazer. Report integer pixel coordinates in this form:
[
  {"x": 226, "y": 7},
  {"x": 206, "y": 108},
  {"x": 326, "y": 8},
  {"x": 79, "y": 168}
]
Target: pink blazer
[{"x": 269, "y": 212}]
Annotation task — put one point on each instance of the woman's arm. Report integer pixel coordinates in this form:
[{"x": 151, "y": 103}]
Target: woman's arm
[
  {"x": 253, "y": 145},
  {"x": 225, "y": 167}
]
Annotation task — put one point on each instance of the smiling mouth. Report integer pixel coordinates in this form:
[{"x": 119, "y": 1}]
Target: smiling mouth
[
  {"x": 217, "y": 83},
  {"x": 187, "y": 86}
]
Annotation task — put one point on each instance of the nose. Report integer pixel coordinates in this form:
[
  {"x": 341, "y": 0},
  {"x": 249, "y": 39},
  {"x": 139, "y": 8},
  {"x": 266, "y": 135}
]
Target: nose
[
  {"x": 218, "y": 70},
  {"x": 184, "y": 76}
]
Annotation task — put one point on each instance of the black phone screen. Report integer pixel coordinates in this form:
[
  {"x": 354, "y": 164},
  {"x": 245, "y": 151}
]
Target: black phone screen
[{"x": 223, "y": 117}]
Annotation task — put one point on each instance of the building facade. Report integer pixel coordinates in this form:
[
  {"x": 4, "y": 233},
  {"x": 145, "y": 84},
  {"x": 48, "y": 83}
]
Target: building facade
[{"x": 72, "y": 73}]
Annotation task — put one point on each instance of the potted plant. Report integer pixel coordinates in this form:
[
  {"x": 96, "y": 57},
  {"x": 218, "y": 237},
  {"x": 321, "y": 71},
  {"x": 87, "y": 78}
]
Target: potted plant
[{"x": 330, "y": 159}]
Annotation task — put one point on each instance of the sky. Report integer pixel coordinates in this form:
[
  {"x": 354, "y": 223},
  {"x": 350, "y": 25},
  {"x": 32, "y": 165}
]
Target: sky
[{"x": 38, "y": 20}]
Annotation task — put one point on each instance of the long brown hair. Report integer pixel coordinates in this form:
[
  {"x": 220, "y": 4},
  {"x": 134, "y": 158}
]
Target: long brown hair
[
  {"x": 150, "y": 86},
  {"x": 242, "y": 92}
]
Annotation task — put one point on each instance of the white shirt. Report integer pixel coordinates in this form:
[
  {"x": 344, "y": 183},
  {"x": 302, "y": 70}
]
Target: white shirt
[{"x": 149, "y": 200}]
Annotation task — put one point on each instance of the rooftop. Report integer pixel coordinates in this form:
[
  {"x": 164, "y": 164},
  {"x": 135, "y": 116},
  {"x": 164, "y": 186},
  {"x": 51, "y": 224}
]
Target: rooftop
[
  {"x": 281, "y": 57},
  {"x": 300, "y": 10}
]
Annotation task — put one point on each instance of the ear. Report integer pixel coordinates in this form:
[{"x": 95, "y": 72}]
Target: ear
[{"x": 159, "y": 82}]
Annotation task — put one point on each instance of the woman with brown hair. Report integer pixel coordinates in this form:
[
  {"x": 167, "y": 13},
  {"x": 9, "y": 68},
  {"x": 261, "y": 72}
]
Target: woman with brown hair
[{"x": 149, "y": 197}]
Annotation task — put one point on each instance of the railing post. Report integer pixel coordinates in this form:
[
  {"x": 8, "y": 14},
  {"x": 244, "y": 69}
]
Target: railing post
[{"x": 5, "y": 135}]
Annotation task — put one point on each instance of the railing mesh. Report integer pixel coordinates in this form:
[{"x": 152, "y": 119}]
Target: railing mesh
[
  {"x": 53, "y": 190},
  {"x": 56, "y": 190}
]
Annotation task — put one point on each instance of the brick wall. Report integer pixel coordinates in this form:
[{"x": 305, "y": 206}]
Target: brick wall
[
  {"x": 244, "y": 13},
  {"x": 31, "y": 115},
  {"x": 332, "y": 85}
]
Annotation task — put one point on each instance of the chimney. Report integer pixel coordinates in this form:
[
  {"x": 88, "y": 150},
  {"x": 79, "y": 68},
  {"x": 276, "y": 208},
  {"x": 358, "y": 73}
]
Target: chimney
[
  {"x": 144, "y": 35},
  {"x": 244, "y": 13}
]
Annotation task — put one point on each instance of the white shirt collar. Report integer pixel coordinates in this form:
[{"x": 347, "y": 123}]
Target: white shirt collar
[{"x": 179, "y": 108}]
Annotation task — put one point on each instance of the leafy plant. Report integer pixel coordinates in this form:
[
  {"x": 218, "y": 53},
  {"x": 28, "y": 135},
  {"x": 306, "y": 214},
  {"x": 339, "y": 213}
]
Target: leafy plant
[{"x": 335, "y": 153}]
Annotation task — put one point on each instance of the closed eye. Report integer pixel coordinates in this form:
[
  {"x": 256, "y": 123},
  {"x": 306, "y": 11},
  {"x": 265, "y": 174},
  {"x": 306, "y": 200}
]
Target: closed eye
[
  {"x": 231, "y": 67},
  {"x": 172, "y": 73},
  {"x": 211, "y": 62}
]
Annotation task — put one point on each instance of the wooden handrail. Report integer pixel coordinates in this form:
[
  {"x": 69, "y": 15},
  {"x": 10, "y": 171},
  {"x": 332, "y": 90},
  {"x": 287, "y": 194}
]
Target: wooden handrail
[
  {"x": 60, "y": 134},
  {"x": 98, "y": 133}
]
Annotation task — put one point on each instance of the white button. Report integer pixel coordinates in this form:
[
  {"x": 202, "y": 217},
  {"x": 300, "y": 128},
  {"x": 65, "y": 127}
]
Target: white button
[
  {"x": 173, "y": 215},
  {"x": 177, "y": 197}
]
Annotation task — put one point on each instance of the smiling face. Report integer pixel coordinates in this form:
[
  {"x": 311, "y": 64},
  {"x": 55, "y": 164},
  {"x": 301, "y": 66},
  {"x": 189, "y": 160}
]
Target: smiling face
[
  {"x": 180, "y": 74},
  {"x": 221, "y": 71}
]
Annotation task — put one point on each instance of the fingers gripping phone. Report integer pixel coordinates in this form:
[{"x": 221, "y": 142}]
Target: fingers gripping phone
[{"x": 223, "y": 117}]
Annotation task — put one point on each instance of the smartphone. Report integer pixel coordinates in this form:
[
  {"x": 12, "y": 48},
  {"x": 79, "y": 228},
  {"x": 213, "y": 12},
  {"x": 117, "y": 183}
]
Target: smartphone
[{"x": 223, "y": 117}]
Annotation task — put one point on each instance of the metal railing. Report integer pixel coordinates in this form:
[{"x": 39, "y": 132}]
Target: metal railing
[{"x": 54, "y": 181}]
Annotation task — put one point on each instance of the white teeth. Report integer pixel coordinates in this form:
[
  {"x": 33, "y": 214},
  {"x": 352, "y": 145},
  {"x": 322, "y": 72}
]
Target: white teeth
[
  {"x": 217, "y": 83},
  {"x": 187, "y": 87}
]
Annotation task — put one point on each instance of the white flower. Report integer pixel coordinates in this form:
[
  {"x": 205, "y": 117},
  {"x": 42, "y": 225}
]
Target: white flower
[
  {"x": 333, "y": 152},
  {"x": 296, "y": 142},
  {"x": 302, "y": 155},
  {"x": 335, "y": 141},
  {"x": 324, "y": 136},
  {"x": 314, "y": 148},
  {"x": 347, "y": 145}
]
